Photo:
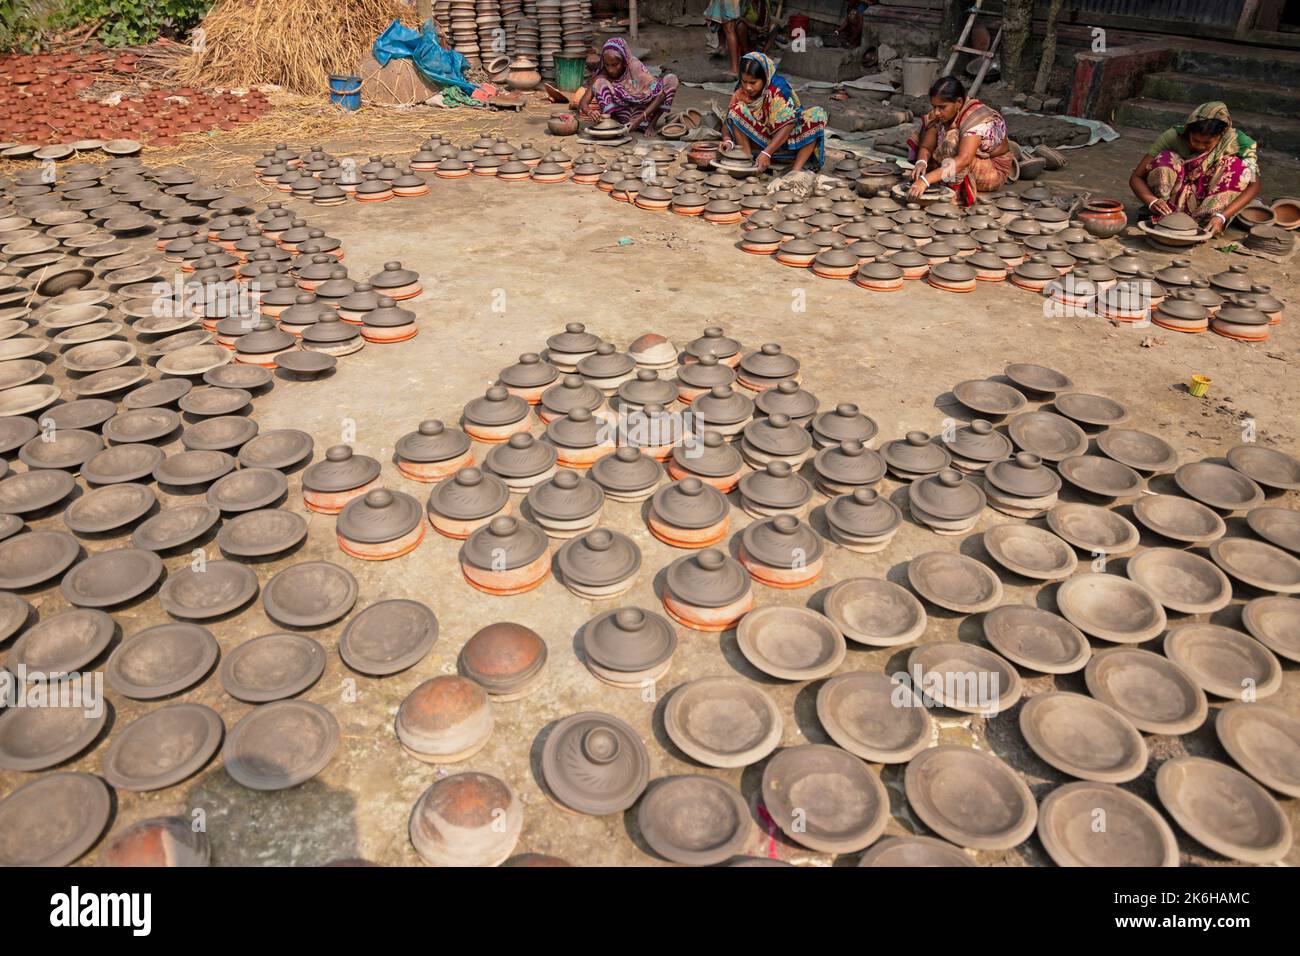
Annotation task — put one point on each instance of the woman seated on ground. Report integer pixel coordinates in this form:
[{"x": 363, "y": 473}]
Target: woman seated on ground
[
  {"x": 961, "y": 142},
  {"x": 626, "y": 90},
  {"x": 765, "y": 116},
  {"x": 1205, "y": 168}
]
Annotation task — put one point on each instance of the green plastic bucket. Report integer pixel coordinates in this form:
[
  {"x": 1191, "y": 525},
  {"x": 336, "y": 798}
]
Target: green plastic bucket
[{"x": 569, "y": 71}]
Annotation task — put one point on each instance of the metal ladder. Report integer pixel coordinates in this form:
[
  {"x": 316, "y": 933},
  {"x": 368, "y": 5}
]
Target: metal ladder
[{"x": 986, "y": 55}]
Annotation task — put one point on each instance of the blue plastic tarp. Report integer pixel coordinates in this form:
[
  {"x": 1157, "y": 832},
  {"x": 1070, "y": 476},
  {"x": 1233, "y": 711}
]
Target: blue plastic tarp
[{"x": 444, "y": 67}]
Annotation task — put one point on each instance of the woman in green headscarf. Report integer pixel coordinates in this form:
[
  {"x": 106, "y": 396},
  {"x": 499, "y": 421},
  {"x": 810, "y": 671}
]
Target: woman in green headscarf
[{"x": 1206, "y": 168}]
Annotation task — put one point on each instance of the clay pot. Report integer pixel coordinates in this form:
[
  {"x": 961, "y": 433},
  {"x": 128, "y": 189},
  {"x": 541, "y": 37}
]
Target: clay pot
[
  {"x": 380, "y": 525},
  {"x": 444, "y": 720},
  {"x": 594, "y": 763},
  {"x": 467, "y": 501},
  {"x": 507, "y": 660},
  {"x": 505, "y": 557},
  {"x": 688, "y": 514},
  {"x": 469, "y": 819},
  {"x": 707, "y": 591},
  {"x": 782, "y": 552},
  {"x": 433, "y": 451},
  {"x": 863, "y": 521},
  {"x": 330, "y": 484},
  {"x": 496, "y": 416},
  {"x": 628, "y": 646},
  {"x": 627, "y": 475},
  {"x": 598, "y": 565}
]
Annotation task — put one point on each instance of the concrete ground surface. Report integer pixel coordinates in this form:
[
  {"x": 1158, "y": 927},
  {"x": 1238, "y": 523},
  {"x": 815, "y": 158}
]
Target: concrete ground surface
[{"x": 505, "y": 265}]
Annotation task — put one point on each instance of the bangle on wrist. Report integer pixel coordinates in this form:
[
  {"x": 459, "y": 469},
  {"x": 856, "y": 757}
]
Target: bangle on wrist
[
  {"x": 1219, "y": 215},
  {"x": 925, "y": 179}
]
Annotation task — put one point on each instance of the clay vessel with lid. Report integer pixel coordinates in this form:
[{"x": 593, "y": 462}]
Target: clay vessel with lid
[
  {"x": 331, "y": 335},
  {"x": 467, "y": 819},
  {"x": 529, "y": 377},
  {"x": 388, "y": 322},
  {"x": 627, "y": 474},
  {"x": 977, "y": 444},
  {"x": 863, "y": 521},
  {"x": 599, "y": 564},
  {"x": 699, "y": 377},
  {"x": 330, "y": 484},
  {"x": 1179, "y": 312},
  {"x": 651, "y": 350},
  {"x": 565, "y": 505},
  {"x": 842, "y": 423},
  {"x": 1021, "y": 486},
  {"x": 1242, "y": 320},
  {"x": 628, "y": 646},
  {"x": 914, "y": 456},
  {"x": 716, "y": 342},
  {"x": 707, "y": 591},
  {"x": 467, "y": 501},
  {"x": 647, "y": 388},
  {"x": 947, "y": 503},
  {"x": 775, "y": 438},
  {"x": 607, "y": 368},
  {"x": 789, "y": 399},
  {"x": 521, "y": 462},
  {"x": 433, "y": 451},
  {"x": 776, "y": 489},
  {"x": 689, "y": 514},
  {"x": 571, "y": 392},
  {"x": 723, "y": 410},
  {"x": 446, "y": 719},
  {"x": 506, "y": 556},
  {"x": 765, "y": 368},
  {"x": 842, "y": 468},
  {"x": 594, "y": 763},
  {"x": 580, "y": 438},
  {"x": 379, "y": 525},
  {"x": 508, "y": 660},
  {"x": 496, "y": 416},
  {"x": 565, "y": 349},
  {"x": 710, "y": 458},
  {"x": 782, "y": 552}
]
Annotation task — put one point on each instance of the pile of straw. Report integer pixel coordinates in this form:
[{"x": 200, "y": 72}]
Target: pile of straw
[{"x": 295, "y": 44}]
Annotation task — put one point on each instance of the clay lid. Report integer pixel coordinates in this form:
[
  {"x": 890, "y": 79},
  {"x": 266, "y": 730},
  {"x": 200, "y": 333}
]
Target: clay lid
[
  {"x": 711, "y": 456},
  {"x": 329, "y": 328},
  {"x": 953, "y": 271},
  {"x": 1048, "y": 435},
  {"x": 607, "y": 362},
  {"x": 363, "y": 297},
  {"x": 947, "y": 495},
  {"x": 522, "y": 456},
  {"x": 595, "y": 763},
  {"x": 714, "y": 342},
  {"x": 880, "y": 271},
  {"x": 567, "y": 496},
  {"x": 468, "y": 495},
  {"x": 340, "y": 471},
  {"x": 379, "y": 516},
  {"x": 337, "y": 287},
  {"x": 648, "y": 389},
  {"x": 1223, "y": 809},
  {"x": 864, "y": 513},
  {"x": 1265, "y": 301},
  {"x": 776, "y": 486},
  {"x": 1241, "y": 312},
  {"x": 1037, "y": 269},
  {"x": 626, "y": 471},
  {"x": 1024, "y": 476},
  {"x": 627, "y": 639},
  {"x": 1178, "y": 222},
  {"x": 690, "y": 504},
  {"x": 570, "y": 393},
  {"x": 529, "y": 372},
  {"x": 723, "y": 406},
  {"x": 770, "y": 362},
  {"x": 504, "y": 545},
  {"x": 686, "y": 199},
  {"x": 778, "y": 435},
  {"x": 599, "y": 558},
  {"x": 704, "y": 373},
  {"x": 837, "y": 258},
  {"x": 1183, "y": 307},
  {"x": 305, "y": 310},
  {"x": 849, "y": 463},
  {"x": 1178, "y": 272},
  {"x": 503, "y": 657},
  {"x": 825, "y": 798},
  {"x": 707, "y": 578},
  {"x": 843, "y": 423},
  {"x": 915, "y": 453},
  {"x": 978, "y": 441},
  {"x": 787, "y": 398},
  {"x": 432, "y": 441},
  {"x": 265, "y": 337},
  {"x": 782, "y": 541},
  {"x": 800, "y": 246},
  {"x": 1137, "y": 449},
  {"x": 497, "y": 407},
  {"x": 578, "y": 429}
]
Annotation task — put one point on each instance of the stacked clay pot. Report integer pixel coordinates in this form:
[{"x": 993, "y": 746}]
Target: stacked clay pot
[
  {"x": 689, "y": 514},
  {"x": 946, "y": 502},
  {"x": 627, "y": 475},
  {"x": 711, "y": 459},
  {"x": 329, "y": 485},
  {"x": 863, "y": 521},
  {"x": 496, "y": 416},
  {"x": 506, "y": 556},
  {"x": 506, "y": 659},
  {"x": 468, "y": 500},
  {"x": 773, "y": 490},
  {"x": 433, "y": 451},
  {"x": 782, "y": 552},
  {"x": 599, "y": 564},
  {"x": 570, "y": 393},
  {"x": 579, "y": 437},
  {"x": 446, "y": 719},
  {"x": 380, "y": 525},
  {"x": 775, "y": 438},
  {"x": 1022, "y": 486},
  {"x": 566, "y": 504},
  {"x": 521, "y": 462},
  {"x": 628, "y": 647},
  {"x": 707, "y": 591}
]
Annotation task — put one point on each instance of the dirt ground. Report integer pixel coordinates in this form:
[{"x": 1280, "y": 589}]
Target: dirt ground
[{"x": 554, "y": 254}]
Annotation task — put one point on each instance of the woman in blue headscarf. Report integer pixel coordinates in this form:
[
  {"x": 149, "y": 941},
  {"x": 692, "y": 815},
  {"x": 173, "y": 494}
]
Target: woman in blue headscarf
[{"x": 765, "y": 117}]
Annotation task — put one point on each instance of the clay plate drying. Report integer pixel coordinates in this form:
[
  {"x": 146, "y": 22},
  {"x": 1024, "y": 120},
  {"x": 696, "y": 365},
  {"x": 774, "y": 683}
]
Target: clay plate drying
[
  {"x": 27, "y": 560},
  {"x": 1093, "y": 530},
  {"x": 723, "y": 721},
  {"x": 112, "y": 577},
  {"x": 311, "y": 594},
  {"x": 257, "y": 534},
  {"x": 388, "y": 637},
  {"x": 825, "y": 798},
  {"x": 988, "y": 397},
  {"x": 53, "y": 820},
  {"x": 218, "y": 589},
  {"x": 1181, "y": 581},
  {"x": 943, "y": 669},
  {"x": 160, "y": 661},
  {"x": 1037, "y": 378},
  {"x": 1139, "y": 835},
  {"x": 1258, "y": 564},
  {"x": 1264, "y": 740},
  {"x": 914, "y": 851},
  {"x": 954, "y": 582},
  {"x": 1277, "y": 526},
  {"x": 694, "y": 820},
  {"x": 1111, "y": 608},
  {"x": 1036, "y": 639},
  {"x": 1030, "y": 552},
  {"x": 36, "y": 738},
  {"x": 1223, "y": 809},
  {"x": 1153, "y": 692},
  {"x": 1083, "y": 737},
  {"x": 1218, "y": 486},
  {"x": 1274, "y": 621},
  {"x": 875, "y": 612},
  {"x": 163, "y": 747},
  {"x": 174, "y": 527},
  {"x": 860, "y": 712},
  {"x": 970, "y": 797},
  {"x": 1222, "y": 661},
  {"x": 792, "y": 643},
  {"x": 280, "y": 745},
  {"x": 1139, "y": 450},
  {"x": 272, "y": 667},
  {"x": 1180, "y": 519}
]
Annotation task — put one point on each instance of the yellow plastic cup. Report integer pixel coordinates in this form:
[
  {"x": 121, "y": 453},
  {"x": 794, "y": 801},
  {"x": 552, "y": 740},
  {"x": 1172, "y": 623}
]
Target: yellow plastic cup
[{"x": 1200, "y": 385}]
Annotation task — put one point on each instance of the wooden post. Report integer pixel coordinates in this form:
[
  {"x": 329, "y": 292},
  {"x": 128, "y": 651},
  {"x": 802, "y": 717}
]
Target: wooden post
[
  {"x": 631, "y": 19},
  {"x": 1048, "y": 59}
]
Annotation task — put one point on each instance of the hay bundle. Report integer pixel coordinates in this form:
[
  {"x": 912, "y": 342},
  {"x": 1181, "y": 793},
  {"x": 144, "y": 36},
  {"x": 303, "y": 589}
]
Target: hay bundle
[{"x": 295, "y": 44}]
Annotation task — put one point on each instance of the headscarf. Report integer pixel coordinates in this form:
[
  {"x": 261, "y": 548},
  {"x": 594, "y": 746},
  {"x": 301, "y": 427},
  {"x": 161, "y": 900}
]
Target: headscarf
[
  {"x": 778, "y": 104},
  {"x": 1232, "y": 142},
  {"x": 635, "y": 83}
]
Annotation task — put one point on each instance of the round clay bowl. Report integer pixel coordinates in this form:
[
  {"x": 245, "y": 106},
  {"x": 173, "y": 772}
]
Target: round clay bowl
[
  {"x": 861, "y": 712},
  {"x": 954, "y": 582},
  {"x": 20, "y": 372},
  {"x": 53, "y": 820},
  {"x": 1138, "y": 450},
  {"x": 223, "y": 433},
  {"x": 964, "y": 677},
  {"x": 1037, "y": 378},
  {"x": 15, "y": 612},
  {"x": 988, "y": 397},
  {"x": 1092, "y": 529},
  {"x": 97, "y": 356},
  {"x": 259, "y": 533},
  {"x": 1030, "y": 552},
  {"x": 1153, "y": 692},
  {"x": 1222, "y": 661},
  {"x": 1218, "y": 486},
  {"x": 217, "y": 589},
  {"x": 272, "y": 667},
  {"x": 1100, "y": 476},
  {"x": 694, "y": 820},
  {"x": 1181, "y": 581},
  {"x": 1264, "y": 740},
  {"x": 27, "y": 560},
  {"x": 33, "y": 491},
  {"x": 190, "y": 468},
  {"x": 26, "y": 399},
  {"x": 1135, "y": 833},
  {"x": 970, "y": 797},
  {"x": 914, "y": 851},
  {"x": 246, "y": 377},
  {"x": 875, "y": 612},
  {"x": 1111, "y": 608},
  {"x": 1266, "y": 466},
  {"x": 64, "y": 643},
  {"x": 1036, "y": 639},
  {"x": 1258, "y": 564},
  {"x": 467, "y": 819},
  {"x": 160, "y": 661},
  {"x": 1179, "y": 519},
  {"x": 280, "y": 745},
  {"x": 21, "y": 347},
  {"x": 825, "y": 798},
  {"x": 160, "y": 842},
  {"x": 793, "y": 643},
  {"x": 205, "y": 402},
  {"x": 16, "y": 431},
  {"x": 112, "y": 577},
  {"x": 1091, "y": 411},
  {"x": 36, "y": 738},
  {"x": 157, "y": 394},
  {"x": 109, "y": 508},
  {"x": 175, "y": 527},
  {"x": 388, "y": 637},
  {"x": 1083, "y": 738},
  {"x": 109, "y": 381},
  {"x": 311, "y": 594},
  {"x": 282, "y": 448},
  {"x": 723, "y": 721},
  {"x": 1050, "y": 436},
  {"x": 248, "y": 489},
  {"x": 70, "y": 448},
  {"x": 1275, "y": 622},
  {"x": 163, "y": 747},
  {"x": 1277, "y": 526},
  {"x": 1223, "y": 809}
]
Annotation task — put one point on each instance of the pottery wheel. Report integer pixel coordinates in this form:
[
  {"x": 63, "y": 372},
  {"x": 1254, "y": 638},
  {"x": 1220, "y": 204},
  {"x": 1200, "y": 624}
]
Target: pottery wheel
[
  {"x": 280, "y": 745},
  {"x": 63, "y": 643},
  {"x": 954, "y": 582},
  {"x": 255, "y": 534},
  {"x": 695, "y": 820},
  {"x": 1135, "y": 834},
  {"x": 1083, "y": 737},
  {"x": 311, "y": 594},
  {"x": 970, "y": 797},
  {"x": 35, "y": 738},
  {"x": 875, "y": 612},
  {"x": 160, "y": 661},
  {"x": 825, "y": 798},
  {"x": 723, "y": 721},
  {"x": 111, "y": 577},
  {"x": 388, "y": 637},
  {"x": 53, "y": 820},
  {"x": 859, "y": 712},
  {"x": 163, "y": 747},
  {"x": 272, "y": 667},
  {"x": 217, "y": 589}
]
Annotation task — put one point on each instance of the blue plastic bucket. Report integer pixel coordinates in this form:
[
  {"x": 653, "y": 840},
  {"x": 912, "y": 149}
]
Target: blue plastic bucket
[{"x": 345, "y": 92}]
